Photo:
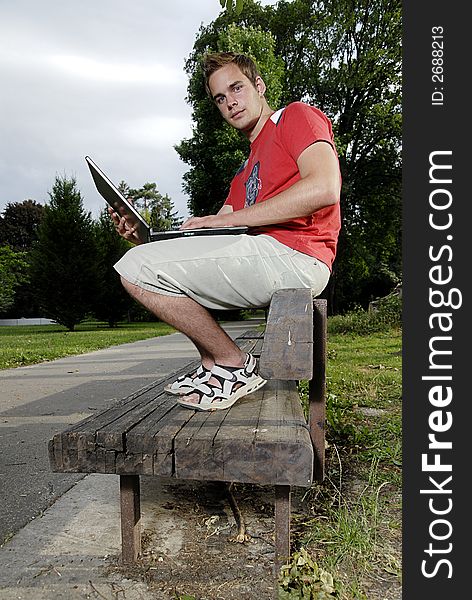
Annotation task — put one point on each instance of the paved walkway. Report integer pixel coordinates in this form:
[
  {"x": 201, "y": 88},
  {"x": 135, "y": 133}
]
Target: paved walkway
[{"x": 60, "y": 530}]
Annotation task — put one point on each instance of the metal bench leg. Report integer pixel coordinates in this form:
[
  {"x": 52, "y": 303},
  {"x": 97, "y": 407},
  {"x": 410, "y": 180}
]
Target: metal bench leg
[
  {"x": 130, "y": 518},
  {"x": 317, "y": 389},
  {"x": 282, "y": 525}
]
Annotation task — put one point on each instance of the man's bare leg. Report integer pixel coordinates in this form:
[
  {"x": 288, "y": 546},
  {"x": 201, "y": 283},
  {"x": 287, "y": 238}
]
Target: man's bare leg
[{"x": 192, "y": 319}]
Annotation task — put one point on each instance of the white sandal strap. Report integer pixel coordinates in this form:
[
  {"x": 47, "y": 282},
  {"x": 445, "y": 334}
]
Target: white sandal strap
[
  {"x": 189, "y": 381},
  {"x": 232, "y": 381}
]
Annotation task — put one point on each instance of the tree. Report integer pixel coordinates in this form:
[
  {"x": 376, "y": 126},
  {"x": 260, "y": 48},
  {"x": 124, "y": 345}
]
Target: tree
[
  {"x": 156, "y": 209},
  {"x": 345, "y": 58},
  {"x": 19, "y": 224},
  {"x": 111, "y": 303},
  {"x": 233, "y": 5},
  {"x": 13, "y": 272},
  {"x": 64, "y": 259},
  {"x": 124, "y": 188}
]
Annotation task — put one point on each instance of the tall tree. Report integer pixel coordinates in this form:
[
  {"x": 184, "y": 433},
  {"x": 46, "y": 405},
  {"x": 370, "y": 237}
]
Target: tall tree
[
  {"x": 64, "y": 260},
  {"x": 111, "y": 302},
  {"x": 19, "y": 224}
]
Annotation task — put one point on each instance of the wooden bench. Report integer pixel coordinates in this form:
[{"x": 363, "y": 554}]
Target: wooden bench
[{"x": 263, "y": 439}]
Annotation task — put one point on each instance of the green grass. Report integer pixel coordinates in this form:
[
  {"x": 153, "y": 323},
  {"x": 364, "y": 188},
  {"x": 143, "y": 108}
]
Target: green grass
[
  {"x": 20, "y": 346},
  {"x": 352, "y": 525}
]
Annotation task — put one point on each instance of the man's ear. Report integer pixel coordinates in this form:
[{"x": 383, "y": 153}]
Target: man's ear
[{"x": 260, "y": 86}]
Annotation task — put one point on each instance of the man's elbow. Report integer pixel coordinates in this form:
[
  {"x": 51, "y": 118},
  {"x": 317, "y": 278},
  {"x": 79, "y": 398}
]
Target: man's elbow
[
  {"x": 331, "y": 199},
  {"x": 329, "y": 196}
]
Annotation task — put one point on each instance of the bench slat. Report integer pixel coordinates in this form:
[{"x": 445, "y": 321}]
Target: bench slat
[{"x": 287, "y": 351}]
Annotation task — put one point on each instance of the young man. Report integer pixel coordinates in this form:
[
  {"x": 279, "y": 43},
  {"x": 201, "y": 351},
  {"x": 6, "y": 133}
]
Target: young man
[{"x": 287, "y": 193}]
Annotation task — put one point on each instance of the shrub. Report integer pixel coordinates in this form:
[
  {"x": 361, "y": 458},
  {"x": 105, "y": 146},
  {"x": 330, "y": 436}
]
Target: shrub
[{"x": 386, "y": 314}]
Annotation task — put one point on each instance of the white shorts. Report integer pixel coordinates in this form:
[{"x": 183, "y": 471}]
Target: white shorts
[{"x": 222, "y": 271}]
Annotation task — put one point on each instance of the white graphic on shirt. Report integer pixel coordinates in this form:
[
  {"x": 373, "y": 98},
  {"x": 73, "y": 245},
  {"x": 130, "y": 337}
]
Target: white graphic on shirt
[{"x": 253, "y": 185}]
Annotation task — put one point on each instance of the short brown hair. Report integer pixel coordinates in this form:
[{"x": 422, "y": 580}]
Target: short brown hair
[{"x": 217, "y": 60}]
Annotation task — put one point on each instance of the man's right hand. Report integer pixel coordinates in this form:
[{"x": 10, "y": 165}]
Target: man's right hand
[{"x": 125, "y": 229}]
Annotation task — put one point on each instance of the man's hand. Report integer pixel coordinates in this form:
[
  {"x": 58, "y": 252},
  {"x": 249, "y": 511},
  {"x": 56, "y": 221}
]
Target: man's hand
[
  {"x": 125, "y": 229},
  {"x": 220, "y": 220}
]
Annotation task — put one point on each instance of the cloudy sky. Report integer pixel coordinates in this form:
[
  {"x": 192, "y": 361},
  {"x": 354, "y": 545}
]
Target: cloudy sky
[{"x": 102, "y": 78}]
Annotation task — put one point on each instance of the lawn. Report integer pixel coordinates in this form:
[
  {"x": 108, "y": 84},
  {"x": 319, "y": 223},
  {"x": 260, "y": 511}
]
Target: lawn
[
  {"x": 350, "y": 526},
  {"x": 20, "y": 346}
]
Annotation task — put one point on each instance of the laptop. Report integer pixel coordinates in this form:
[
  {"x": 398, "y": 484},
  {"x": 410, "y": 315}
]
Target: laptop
[{"x": 123, "y": 207}]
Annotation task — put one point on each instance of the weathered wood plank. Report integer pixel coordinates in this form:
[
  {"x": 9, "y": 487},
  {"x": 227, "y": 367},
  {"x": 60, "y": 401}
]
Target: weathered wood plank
[
  {"x": 110, "y": 461},
  {"x": 252, "y": 344},
  {"x": 128, "y": 404},
  {"x": 140, "y": 437},
  {"x": 55, "y": 454},
  {"x": 281, "y": 437},
  {"x": 230, "y": 446},
  {"x": 158, "y": 440},
  {"x": 129, "y": 464},
  {"x": 107, "y": 428},
  {"x": 291, "y": 361},
  {"x": 148, "y": 464},
  {"x": 81, "y": 446},
  {"x": 88, "y": 430},
  {"x": 251, "y": 334},
  {"x": 195, "y": 451},
  {"x": 70, "y": 455},
  {"x": 282, "y": 424},
  {"x": 281, "y": 417},
  {"x": 112, "y": 435},
  {"x": 257, "y": 349},
  {"x": 287, "y": 351},
  {"x": 100, "y": 463},
  {"x": 155, "y": 434}
]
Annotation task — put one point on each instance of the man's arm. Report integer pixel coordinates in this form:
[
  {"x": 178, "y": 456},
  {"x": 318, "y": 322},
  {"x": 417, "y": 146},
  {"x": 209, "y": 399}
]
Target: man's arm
[
  {"x": 225, "y": 209},
  {"x": 319, "y": 186}
]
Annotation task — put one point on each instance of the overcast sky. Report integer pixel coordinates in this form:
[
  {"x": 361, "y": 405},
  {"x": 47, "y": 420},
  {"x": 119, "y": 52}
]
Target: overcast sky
[{"x": 103, "y": 78}]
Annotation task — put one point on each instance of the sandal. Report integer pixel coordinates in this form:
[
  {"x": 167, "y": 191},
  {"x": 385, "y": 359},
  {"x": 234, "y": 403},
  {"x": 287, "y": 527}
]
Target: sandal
[
  {"x": 232, "y": 383},
  {"x": 185, "y": 384}
]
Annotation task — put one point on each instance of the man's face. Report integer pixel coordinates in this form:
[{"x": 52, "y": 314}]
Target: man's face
[{"x": 238, "y": 100}]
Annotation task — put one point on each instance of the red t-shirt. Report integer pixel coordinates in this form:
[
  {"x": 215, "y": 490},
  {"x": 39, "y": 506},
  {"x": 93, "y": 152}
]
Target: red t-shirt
[{"x": 272, "y": 168}]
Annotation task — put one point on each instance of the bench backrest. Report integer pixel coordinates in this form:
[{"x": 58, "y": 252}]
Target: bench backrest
[{"x": 294, "y": 348}]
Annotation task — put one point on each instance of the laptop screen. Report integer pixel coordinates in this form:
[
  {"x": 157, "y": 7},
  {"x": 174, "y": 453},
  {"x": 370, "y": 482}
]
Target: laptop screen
[
  {"x": 117, "y": 201},
  {"x": 123, "y": 207}
]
